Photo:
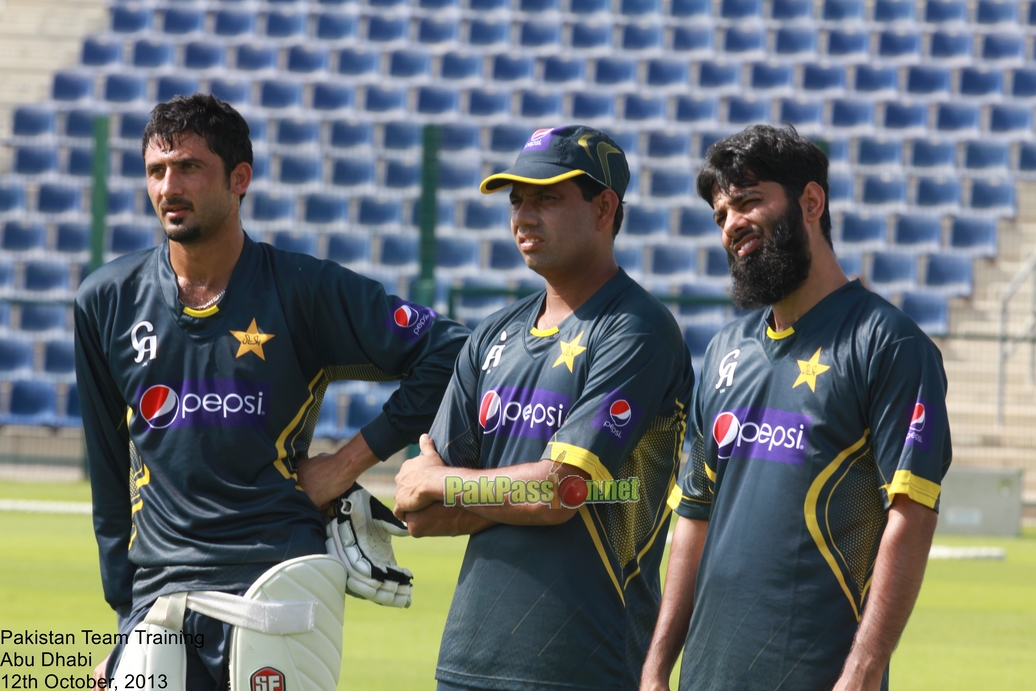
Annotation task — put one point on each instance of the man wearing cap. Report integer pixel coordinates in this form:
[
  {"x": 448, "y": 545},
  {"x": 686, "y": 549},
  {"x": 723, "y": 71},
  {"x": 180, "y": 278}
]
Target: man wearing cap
[{"x": 556, "y": 444}]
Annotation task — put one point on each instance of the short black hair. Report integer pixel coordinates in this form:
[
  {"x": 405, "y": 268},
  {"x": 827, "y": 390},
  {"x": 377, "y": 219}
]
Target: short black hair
[
  {"x": 223, "y": 128},
  {"x": 763, "y": 153},
  {"x": 590, "y": 189}
]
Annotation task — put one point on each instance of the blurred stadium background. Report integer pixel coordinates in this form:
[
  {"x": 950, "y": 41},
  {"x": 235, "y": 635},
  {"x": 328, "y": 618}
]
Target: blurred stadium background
[{"x": 926, "y": 110}]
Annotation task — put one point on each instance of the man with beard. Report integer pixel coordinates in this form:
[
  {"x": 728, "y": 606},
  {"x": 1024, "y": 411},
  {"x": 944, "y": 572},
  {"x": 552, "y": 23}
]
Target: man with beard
[
  {"x": 819, "y": 440},
  {"x": 201, "y": 366}
]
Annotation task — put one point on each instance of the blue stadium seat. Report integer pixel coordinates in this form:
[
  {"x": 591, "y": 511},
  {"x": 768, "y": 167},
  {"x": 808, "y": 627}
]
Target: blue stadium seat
[
  {"x": 352, "y": 172},
  {"x": 101, "y": 52},
  {"x": 884, "y": 191},
  {"x": 180, "y": 21},
  {"x": 279, "y": 94},
  {"x": 131, "y": 165},
  {"x": 459, "y": 176},
  {"x": 997, "y": 12},
  {"x": 745, "y": 42},
  {"x": 670, "y": 260},
  {"x": 437, "y": 101},
  {"x": 170, "y": 86},
  {"x": 693, "y": 40},
  {"x": 741, "y": 9},
  {"x": 642, "y": 37},
  {"x": 349, "y": 249},
  {"x": 932, "y": 154},
  {"x": 479, "y": 215},
  {"x": 852, "y": 114},
  {"x": 1011, "y": 120},
  {"x": 951, "y": 46},
  {"x": 864, "y": 232},
  {"x": 698, "y": 337},
  {"x": 702, "y": 312},
  {"x": 21, "y": 237},
  {"x": 585, "y": 7},
  {"x": 537, "y": 34},
  {"x": 786, "y": 11},
  {"x": 928, "y": 82},
  {"x": 131, "y": 126},
  {"x": 459, "y": 137},
  {"x": 256, "y": 58},
  {"x": 637, "y": 8},
  {"x": 876, "y": 81},
  {"x": 6, "y": 286},
  {"x": 384, "y": 100},
  {"x": 287, "y": 24},
  {"x": 717, "y": 270},
  {"x": 670, "y": 183},
  {"x": 930, "y": 312},
  {"x": 401, "y": 136},
  {"x": 1004, "y": 48},
  {"x": 358, "y": 62},
  {"x": 323, "y": 209},
  {"x": 387, "y": 29},
  {"x": 745, "y": 111},
  {"x": 616, "y": 72},
  {"x": 150, "y": 54},
  {"x": 410, "y": 64},
  {"x": 125, "y": 88},
  {"x": 797, "y": 42},
  {"x": 327, "y": 426},
  {"x": 307, "y": 60},
  {"x": 70, "y": 415},
  {"x": 126, "y": 238},
  {"x": 48, "y": 277},
  {"x": 981, "y": 83},
  {"x": 630, "y": 258},
  {"x": 975, "y": 237},
  {"x": 772, "y": 77},
  {"x": 668, "y": 73},
  {"x": 949, "y": 275},
  {"x": 32, "y": 403},
  {"x": 349, "y": 135},
  {"x": 334, "y": 26},
  {"x": 987, "y": 156},
  {"x": 945, "y": 12},
  {"x": 537, "y": 105},
  {"x": 72, "y": 238},
  {"x": 122, "y": 202},
  {"x": 461, "y": 67},
  {"x": 489, "y": 5},
  {"x": 72, "y": 86},
  {"x": 375, "y": 212},
  {"x": 591, "y": 36},
  {"x": 236, "y": 93},
  {"x": 508, "y": 139},
  {"x": 940, "y": 194},
  {"x": 268, "y": 207},
  {"x": 992, "y": 196},
  {"x": 564, "y": 70},
  {"x": 362, "y": 409},
  {"x": 487, "y": 33},
  {"x": 893, "y": 11},
  {"x": 131, "y": 20},
  {"x": 843, "y": 11},
  {"x": 35, "y": 160},
  {"x": 958, "y": 119},
  {"x": 58, "y": 199},
  {"x": 16, "y": 358},
  {"x": 438, "y": 32},
  {"x": 644, "y": 220},
  {"x": 333, "y": 96},
  {"x": 508, "y": 68},
  {"x": 641, "y": 108},
  {"x": 12, "y": 199},
  {"x": 918, "y": 233},
  {"x": 457, "y": 254},
  {"x": 301, "y": 243},
  {"x": 892, "y": 272},
  {"x": 668, "y": 144},
  {"x": 1026, "y": 163},
  {"x": 539, "y": 7},
  {"x": 829, "y": 79},
  {"x": 504, "y": 256},
  {"x": 80, "y": 162},
  {"x": 899, "y": 45},
  {"x": 399, "y": 250},
  {"x": 848, "y": 44},
  {"x": 802, "y": 114},
  {"x": 719, "y": 76},
  {"x": 301, "y": 170},
  {"x": 1023, "y": 83},
  {"x": 234, "y": 23},
  {"x": 697, "y": 111},
  {"x": 34, "y": 121},
  {"x": 841, "y": 190}
]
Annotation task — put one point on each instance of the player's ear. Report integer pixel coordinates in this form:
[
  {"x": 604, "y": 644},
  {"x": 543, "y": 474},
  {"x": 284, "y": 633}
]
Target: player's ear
[
  {"x": 240, "y": 178},
  {"x": 605, "y": 206},
  {"x": 813, "y": 201}
]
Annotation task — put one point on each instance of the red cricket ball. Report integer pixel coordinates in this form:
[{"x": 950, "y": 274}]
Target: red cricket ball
[{"x": 572, "y": 491}]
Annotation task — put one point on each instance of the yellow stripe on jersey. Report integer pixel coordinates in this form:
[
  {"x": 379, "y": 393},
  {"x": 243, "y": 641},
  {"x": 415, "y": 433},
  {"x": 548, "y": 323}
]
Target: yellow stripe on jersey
[
  {"x": 543, "y": 333},
  {"x": 584, "y": 513},
  {"x": 282, "y": 451},
  {"x": 810, "y": 511},
  {"x": 580, "y": 458},
  {"x": 922, "y": 491},
  {"x": 662, "y": 521},
  {"x": 710, "y": 472},
  {"x": 778, "y": 335},
  {"x": 208, "y": 312},
  {"x": 674, "y": 497}
]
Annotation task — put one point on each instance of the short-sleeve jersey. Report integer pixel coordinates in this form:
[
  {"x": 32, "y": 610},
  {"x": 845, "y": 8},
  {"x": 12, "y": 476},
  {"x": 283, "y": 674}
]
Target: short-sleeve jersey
[
  {"x": 195, "y": 419},
  {"x": 571, "y": 606},
  {"x": 800, "y": 440}
]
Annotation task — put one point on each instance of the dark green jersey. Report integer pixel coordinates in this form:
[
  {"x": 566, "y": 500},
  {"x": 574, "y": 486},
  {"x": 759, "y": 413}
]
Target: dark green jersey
[
  {"x": 195, "y": 420},
  {"x": 799, "y": 442},
  {"x": 570, "y": 606}
]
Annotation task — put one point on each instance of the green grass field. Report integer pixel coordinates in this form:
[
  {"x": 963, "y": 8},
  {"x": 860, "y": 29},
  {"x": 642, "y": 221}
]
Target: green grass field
[{"x": 974, "y": 626}]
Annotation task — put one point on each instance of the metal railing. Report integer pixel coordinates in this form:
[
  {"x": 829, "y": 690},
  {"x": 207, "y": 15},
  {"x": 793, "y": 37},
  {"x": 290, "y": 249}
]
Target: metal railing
[{"x": 1008, "y": 344}]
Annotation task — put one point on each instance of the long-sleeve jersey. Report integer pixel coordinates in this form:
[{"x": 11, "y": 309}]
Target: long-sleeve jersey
[{"x": 195, "y": 419}]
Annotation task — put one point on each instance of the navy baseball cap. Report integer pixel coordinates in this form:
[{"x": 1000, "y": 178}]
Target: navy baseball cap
[{"x": 560, "y": 153}]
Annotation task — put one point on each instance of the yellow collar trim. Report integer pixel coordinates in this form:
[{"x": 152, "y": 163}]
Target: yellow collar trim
[
  {"x": 778, "y": 335},
  {"x": 201, "y": 313},
  {"x": 543, "y": 333}
]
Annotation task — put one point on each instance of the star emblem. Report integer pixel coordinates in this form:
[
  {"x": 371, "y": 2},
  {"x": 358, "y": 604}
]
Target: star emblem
[
  {"x": 809, "y": 370},
  {"x": 251, "y": 341},
  {"x": 569, "y": 351}
]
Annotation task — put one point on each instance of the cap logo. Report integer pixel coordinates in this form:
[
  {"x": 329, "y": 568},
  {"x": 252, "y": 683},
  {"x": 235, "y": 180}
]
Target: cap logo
[
  {"x": 540, "y": 140},
  {"x": 603, "y": 151}
]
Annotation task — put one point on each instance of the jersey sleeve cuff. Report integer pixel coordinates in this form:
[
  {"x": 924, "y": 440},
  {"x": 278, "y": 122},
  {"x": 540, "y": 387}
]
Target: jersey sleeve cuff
[
  {"x": 693, "y": 509},
  {"x": 924, "y": 492},
  {"x": 585, "y": 460},
  {"x": 382, "y": 438}
]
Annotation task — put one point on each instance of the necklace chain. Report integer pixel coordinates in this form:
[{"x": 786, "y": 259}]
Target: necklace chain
[{"x": 211, "y": 302}]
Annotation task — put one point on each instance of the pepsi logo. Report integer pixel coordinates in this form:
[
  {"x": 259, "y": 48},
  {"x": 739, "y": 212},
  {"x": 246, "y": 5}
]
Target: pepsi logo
[
  {"x": 725, "y": 430},
  {"x": 917, "y": 419},
  {"x": 405, "y": 315},
  {"x": 490, "y": 411},
  {"x": 158, "y": 406},
  {"x": 620, "y": 412}
]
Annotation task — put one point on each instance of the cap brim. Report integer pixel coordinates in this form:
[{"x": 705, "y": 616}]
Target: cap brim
[{"x": 534, "y": 174}]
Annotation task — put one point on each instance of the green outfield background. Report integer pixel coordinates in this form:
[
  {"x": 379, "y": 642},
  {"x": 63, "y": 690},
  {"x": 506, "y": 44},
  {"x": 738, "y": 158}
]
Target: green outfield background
[{"x": 974, "y": 626}]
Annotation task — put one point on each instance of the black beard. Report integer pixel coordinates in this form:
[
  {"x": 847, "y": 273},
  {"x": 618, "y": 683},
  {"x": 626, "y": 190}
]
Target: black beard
[
  {"x": 776, "y": 268},
  {"x": 185, "y": 234}
]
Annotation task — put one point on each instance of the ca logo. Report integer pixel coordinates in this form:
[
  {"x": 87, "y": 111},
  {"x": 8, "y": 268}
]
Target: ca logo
[
  {"x": 146, "y": 346},
  {"x": 726, "y": 369}
]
